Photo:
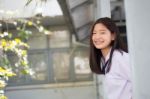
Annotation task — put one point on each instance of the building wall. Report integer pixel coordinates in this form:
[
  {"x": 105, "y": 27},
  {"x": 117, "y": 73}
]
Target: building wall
[
  {"x": 77, "y": 91},
  {"x": 138, "y": 30}
]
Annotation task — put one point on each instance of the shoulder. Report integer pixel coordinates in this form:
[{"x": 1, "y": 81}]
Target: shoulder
[
  {"x": 122, "y": 64},
  {"x": 120, "y": 56}
]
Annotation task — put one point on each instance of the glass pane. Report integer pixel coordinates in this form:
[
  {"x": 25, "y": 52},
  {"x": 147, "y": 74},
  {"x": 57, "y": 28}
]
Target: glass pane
[
  {"x": 117, "y": 10},
  {"x": 61, "y": 65},
  {"x": 20, "y": 78},
  {"x": 37, "y": 41},
  {"x": 37, "y": 64},
  {"x": 81, "y": 63},
  {"x": 59, "y": 39}
]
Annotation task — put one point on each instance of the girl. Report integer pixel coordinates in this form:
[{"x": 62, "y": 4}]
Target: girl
[{"x": 108, "y": 57}]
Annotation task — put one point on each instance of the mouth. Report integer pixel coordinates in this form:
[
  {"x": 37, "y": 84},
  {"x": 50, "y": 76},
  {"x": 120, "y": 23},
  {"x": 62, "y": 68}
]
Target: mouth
[{"x": 98, "y": 42}]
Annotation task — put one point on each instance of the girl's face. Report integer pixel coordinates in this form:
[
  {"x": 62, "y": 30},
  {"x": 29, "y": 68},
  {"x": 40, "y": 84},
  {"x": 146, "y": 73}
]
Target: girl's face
[{"x": 102, "y": 37}]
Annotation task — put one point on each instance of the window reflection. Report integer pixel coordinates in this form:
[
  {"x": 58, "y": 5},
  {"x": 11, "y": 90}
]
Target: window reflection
[
  {"x": 41, "y": 42},
  {"x": 39, "y": 66},
  {"x": 61, "y": 65},
  {"x": 39, "y": 69},
  {"x": 59, "y": 39},
  {"x": 81, "y": 64}
]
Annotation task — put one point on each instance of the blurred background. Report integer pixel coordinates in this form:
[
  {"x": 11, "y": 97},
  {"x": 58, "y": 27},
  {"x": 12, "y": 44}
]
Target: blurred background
[
  {"x": 59, "y": 60},
  {"x": 59, "y": 45}
]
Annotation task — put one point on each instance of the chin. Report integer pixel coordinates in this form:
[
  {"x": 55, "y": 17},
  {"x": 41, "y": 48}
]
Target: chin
[{"x": 99, "y": 47}]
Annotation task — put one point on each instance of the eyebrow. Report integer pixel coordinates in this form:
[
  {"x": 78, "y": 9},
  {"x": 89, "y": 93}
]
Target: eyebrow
[{"x": 99, "y": 30}]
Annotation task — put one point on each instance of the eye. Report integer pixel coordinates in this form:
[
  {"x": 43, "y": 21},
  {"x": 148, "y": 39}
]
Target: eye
[
  {"x": 102, "y": 32},
  {"x": 94, "y": 33}
]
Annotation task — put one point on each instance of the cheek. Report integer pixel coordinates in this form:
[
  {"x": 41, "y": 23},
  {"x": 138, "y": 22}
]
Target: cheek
[
  {"x": 108, "y": 39},
  {"x": 92, "y": 38}
]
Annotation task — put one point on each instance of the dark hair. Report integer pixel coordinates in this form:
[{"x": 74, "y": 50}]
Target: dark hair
[{"x": 95, "y": 54}]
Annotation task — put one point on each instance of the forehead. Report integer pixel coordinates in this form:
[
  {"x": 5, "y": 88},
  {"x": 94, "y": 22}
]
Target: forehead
[{"x": 100, "y": 27}]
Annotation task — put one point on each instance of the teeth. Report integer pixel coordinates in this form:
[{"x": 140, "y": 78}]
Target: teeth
[{"x": 98, "y": 42}]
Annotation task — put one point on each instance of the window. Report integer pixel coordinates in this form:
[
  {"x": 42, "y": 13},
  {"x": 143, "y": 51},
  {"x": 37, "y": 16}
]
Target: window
[
  {"x": 61, "y": 65},
  {"x": 59, "y": 39},
  {"x": 37, "y": 40},
  {"x": 81, "y": 63},
  {"x": 53, "y": 60}
]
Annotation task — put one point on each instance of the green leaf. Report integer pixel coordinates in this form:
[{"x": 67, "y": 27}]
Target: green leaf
[{"x": 28, "y": 2}]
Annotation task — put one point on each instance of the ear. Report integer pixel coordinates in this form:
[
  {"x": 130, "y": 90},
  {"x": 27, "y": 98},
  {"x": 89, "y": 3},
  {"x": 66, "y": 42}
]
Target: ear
[{"x": 113, "y": 36}]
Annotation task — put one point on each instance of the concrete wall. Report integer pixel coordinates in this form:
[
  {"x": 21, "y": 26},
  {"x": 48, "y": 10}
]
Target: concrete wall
[
  {"x": 138, "y": 30},
  {"x": 72, "y": 91}
]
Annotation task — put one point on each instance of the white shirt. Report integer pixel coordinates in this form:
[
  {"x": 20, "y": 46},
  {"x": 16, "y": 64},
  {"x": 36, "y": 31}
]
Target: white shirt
[{"x": 117, "y": 82}]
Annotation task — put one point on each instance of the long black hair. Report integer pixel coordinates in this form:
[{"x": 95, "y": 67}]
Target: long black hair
[{"x": 95, "y": 54}]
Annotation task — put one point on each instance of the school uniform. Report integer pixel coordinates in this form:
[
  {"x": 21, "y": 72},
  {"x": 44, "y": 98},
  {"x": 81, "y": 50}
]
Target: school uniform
[{"x": 117, "y": 82}]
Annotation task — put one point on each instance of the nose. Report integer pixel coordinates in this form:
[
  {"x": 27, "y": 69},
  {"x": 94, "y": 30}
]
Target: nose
[{"x": 97, "y": 36}]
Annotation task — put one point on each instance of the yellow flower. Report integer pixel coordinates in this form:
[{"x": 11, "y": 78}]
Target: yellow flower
[
  {"x": 17, "y": 40},
  {"x": 30, "y": 23},
  {"x": 2, "y": 70},
  {"x": 24, "y": 52},
  {"x": 6, "y": 72},
  {"x": 3, "y": 42},
  {"x": 3, "y": 97},
  {"x": 2, "y": 84}
]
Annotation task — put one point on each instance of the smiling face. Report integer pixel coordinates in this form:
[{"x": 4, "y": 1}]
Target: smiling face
[{"x": 102, "y": 37}]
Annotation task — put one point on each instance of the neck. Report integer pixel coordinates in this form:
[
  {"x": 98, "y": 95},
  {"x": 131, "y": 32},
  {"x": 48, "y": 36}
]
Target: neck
[{"x": 105, "y": 51}]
